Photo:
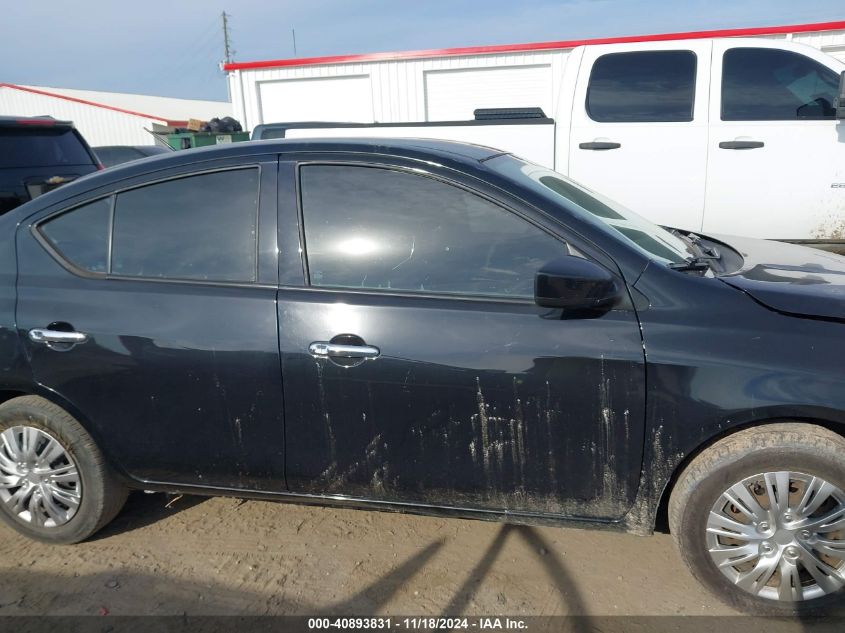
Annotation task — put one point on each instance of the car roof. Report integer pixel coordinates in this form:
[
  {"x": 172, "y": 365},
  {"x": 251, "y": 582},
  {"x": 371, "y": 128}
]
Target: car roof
[
  {"x": 421, "y": 148},
  {"x": 449, "y": 153},
  {"x": 375, "y": 145}
]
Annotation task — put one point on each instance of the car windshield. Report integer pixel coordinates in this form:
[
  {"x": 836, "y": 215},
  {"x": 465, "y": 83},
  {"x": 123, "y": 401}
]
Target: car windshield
[{"x": 654, "y": 241}]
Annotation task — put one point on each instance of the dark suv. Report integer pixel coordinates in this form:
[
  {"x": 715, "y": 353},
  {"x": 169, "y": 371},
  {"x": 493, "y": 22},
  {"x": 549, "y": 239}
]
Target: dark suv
[{"x": 38, "y": 154}]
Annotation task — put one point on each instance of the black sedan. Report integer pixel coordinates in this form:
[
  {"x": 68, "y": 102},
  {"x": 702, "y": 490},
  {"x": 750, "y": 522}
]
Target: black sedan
[{"x": 428, "y": 327}]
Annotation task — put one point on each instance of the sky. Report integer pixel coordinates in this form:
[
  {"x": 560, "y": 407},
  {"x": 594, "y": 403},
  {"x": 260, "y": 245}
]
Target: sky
[{"x": 174, "y": 48}]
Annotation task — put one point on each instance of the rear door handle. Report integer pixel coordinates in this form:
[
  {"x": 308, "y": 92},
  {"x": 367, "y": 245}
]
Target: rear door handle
[
  {"x": 600, "y": 145},
  {"x": 741, "y": 144},
  {"x": 326, "y": 349},
  {"x": 39, "y": 335}
]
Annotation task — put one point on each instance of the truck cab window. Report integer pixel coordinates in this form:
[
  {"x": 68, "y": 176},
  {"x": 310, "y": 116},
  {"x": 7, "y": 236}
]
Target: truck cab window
[
  {"x": 644, "y": 86},
  {"x": 767, "y": 84}
]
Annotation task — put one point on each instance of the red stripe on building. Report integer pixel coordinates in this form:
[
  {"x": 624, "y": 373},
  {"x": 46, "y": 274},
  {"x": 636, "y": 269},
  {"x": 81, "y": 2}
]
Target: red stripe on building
[
  {"x": 537, "y": 46},
  {"x": 93, "y": 103}
]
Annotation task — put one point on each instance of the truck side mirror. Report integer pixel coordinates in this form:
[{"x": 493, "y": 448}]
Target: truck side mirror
[{"x": 840, "y": 102}]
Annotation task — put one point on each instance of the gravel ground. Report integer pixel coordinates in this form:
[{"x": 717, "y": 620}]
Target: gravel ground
[{"x": 174, "y": 555}]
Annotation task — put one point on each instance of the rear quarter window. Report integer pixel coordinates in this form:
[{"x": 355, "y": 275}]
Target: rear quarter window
[{"x": 81, "y": 236}]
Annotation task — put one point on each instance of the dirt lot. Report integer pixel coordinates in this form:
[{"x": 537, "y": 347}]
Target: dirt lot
[{"x": 227, "y": 556}]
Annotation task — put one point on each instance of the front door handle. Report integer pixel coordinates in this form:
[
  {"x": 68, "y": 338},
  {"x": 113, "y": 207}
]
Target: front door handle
[
  {"x": 334, "y": 350},
  {"x": 43, "y": 335},
  {"x": 738, "y": 144},
  {"x": 600, "y": 145}
]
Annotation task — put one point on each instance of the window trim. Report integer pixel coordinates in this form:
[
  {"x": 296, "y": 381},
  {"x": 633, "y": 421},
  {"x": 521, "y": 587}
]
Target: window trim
[
  {"x": 763, "y": 48},
  {"x": 385, "y": 292},
  {"x": 691, "y": 118},
  {"x": 67, "y": 264}
]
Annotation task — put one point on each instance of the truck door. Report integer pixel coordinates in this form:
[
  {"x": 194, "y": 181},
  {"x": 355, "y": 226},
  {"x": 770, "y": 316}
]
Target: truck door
[
  {"x": 639, "y": 127},
  {"x": 776, "y": 160}
]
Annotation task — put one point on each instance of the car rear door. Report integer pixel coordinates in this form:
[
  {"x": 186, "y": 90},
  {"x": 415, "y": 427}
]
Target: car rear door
[
  {"x": 165, "y": 293},
  {"x": 418, "y": 369},
  {"x": 639, "y": 127}
]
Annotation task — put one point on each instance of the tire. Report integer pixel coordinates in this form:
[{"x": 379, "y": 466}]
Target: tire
[
  {"x": 742, "y": 459},
  {"x": 84, "y": 492}
]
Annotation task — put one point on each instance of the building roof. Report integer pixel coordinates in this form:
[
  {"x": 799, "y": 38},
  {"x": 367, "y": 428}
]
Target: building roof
[
  {"x": 535, "y": 46},
  {"x": 170, "y": 111}
]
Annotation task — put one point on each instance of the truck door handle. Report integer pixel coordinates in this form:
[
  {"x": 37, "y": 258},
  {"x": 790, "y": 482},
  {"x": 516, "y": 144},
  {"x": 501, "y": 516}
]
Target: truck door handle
[
  {"x": 741, "y": 144},
  {"x": 600, "y": 145},
  {"x": 39, "y": 335},
  {"x": 326, "y": 349}
]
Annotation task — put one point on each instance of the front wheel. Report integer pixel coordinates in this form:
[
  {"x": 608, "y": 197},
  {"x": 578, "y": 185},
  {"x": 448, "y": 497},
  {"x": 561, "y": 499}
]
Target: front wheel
[
  {"x": 55, "y": 485},
  {"x": 759, "y": 518}
]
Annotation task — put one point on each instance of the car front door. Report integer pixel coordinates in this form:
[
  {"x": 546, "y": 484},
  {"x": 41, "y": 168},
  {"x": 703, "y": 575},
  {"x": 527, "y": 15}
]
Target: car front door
[
  {"x": 168, "y": 289},
  {"x": 417, "y": 368}
]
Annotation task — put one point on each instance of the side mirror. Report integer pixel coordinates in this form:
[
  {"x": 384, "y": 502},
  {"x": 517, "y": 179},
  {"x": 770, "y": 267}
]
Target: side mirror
[
  {"x": 840, "y": 102},
  {"x": 574, "y": 283}
]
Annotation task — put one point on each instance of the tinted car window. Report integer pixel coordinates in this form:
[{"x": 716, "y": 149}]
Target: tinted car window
[
  {"x": 198, "y": 227},
  {"x": 41, "y": 147},
  {"x": 642, "y": 86},
  {"x": 81, "y": 236},
  {"x": 390, "y": 230},
  {"x": 270, "y": 133},
  {"x": 763, "y": 84},
  {"x": 117, "y": 154},
  {"x": 153, "y": 150},
  {"x": 110, "y": 156}
]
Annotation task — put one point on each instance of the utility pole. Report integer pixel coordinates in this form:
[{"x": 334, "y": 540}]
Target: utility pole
[{"x": 228, "y": 52}]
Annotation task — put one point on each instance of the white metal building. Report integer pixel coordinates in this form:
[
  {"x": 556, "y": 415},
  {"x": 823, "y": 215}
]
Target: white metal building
[
  {"x": 441, "y": 85},
  {"x": 108, "y": 118}
]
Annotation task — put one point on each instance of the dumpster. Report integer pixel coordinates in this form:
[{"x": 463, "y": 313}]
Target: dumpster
[{"x": 187, "y": 140}]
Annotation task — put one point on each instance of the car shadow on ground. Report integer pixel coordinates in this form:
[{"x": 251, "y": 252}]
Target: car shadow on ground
[
  {"x": 143, "y": 509},
  {"x": 126, "y": 590},
  {"x": 123, "y": 591}
]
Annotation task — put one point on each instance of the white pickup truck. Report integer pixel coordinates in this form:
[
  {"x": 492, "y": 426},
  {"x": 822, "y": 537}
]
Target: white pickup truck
[{"x": 742, "y": 135}]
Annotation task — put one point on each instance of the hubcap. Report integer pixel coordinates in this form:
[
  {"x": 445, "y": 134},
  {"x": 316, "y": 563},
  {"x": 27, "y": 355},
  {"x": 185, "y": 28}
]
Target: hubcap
[
  {"x": 780, "y": 535},
  {"x": 39, "y": 481}
]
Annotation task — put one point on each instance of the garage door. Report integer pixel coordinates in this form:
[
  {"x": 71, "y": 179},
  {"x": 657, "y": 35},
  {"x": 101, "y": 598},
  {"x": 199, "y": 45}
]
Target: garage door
[
  {"x": 452, "y": 95},
  {"x": 339, "y": 99}
]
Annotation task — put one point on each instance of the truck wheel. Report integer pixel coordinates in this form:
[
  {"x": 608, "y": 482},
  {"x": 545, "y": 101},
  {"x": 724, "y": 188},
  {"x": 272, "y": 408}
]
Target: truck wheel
[
  {"x": 759, "y": 518},
  {"x": 55, "y": 485}
]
